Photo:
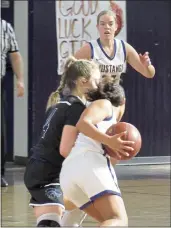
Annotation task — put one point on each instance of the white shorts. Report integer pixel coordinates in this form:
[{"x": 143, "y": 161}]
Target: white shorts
[{"x": 86, "y": 176}]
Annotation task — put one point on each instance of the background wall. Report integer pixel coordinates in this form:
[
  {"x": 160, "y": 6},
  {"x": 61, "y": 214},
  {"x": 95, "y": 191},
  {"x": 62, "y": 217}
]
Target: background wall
[{"x": 148, "y": 101}]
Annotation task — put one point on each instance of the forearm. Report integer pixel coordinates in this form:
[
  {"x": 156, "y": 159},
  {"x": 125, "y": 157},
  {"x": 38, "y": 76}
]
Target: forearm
[
  {"x": 17, "y": 65},
  {"x": 91, "y": 131}
]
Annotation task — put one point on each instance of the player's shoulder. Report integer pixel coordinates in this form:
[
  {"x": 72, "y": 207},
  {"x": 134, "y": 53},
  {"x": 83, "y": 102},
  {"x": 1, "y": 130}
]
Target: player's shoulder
[
  {"x": 101, "y": 103},
  {"x": 65, "y": 103},
  {"x": 72, "y": 103},
  {"x": 93, "y": 41},
  {"x": 70, "y": 100},
  {"x": 119, "y": 41}
]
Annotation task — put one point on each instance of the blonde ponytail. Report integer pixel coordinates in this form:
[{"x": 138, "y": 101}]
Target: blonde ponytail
[
  {"x": 73, "y": 70},
  {"x": 54, "y": 97}
]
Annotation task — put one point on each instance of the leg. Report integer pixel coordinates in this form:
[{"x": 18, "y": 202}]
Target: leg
[
  {"x": 73, "y": 217},
  {"x": 41, "y": 210},
  {"x": 48, "y": 216},
  {"x": 47, "y": 197},
  {"x": 74, "y": 196},
  {"x": 69, "y": 205},
  {"x": 104, "y": 192},
  {"x": 112, "y": 210},
  {"x": 48, "y": 205},
  {"x": 92, "y": 212}
]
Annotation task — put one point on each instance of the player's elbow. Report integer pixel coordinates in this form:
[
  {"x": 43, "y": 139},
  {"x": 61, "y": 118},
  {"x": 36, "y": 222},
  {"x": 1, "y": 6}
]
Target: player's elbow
[
  {"x": 63, "y": 153},
  {"x": 150, "y": 73}
]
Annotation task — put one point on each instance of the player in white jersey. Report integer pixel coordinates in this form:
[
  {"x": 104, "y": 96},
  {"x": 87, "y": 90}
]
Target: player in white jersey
[
  {"x": 91, "y": 183},
  {"x": 111, "y": 66},
  {"x": 111, "y": 54}
]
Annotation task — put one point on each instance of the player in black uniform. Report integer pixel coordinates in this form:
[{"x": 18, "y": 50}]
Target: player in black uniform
[{"x": 42, "y": 172}]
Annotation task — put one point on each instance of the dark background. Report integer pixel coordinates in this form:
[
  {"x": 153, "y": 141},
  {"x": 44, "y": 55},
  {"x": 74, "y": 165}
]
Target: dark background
[{"x": 148, "y": 100}]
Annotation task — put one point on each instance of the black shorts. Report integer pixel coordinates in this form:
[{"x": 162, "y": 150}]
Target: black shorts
[{"x": 42, "y": 181}]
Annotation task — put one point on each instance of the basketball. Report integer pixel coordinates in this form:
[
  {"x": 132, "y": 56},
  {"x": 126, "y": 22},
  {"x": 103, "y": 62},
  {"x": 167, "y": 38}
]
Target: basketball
[{"x": 133, "y": 134}]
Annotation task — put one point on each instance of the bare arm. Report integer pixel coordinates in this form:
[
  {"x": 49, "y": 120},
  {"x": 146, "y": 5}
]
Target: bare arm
[
  {"x": 17, "y": 65},
  {"x": 121, "y": 112},
  {"x": 95, "y": 113},
  {"x": 16, "y": 61},
  {"x": 139, "y": 62},
  {"x": 68, "y": 139},
  {"x": 70, "y": 132},
  {"x": 84, "y": 52},
  {"x": 90, "y": 118}
]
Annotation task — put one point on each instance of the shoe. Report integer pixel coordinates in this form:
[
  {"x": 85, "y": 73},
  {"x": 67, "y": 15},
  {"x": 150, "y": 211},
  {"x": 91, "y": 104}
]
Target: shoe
[{"x": 4, "y": 183}]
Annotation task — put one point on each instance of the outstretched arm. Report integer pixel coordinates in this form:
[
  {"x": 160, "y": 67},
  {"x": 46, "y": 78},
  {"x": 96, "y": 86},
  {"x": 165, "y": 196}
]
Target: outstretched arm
[{"x": 141, "y": 63}]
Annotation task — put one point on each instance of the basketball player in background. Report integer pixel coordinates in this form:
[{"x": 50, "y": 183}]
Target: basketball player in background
[
  {"x": 87, "y": 160},
  {"x": 111, "y": 54}
]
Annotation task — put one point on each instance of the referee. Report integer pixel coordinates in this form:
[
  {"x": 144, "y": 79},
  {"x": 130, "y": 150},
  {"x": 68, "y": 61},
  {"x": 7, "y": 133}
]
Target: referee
[{"x": 9, "y": 47}]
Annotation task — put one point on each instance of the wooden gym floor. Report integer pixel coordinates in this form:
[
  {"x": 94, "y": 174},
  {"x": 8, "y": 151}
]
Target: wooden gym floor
[{"x": 145, "y": 189}]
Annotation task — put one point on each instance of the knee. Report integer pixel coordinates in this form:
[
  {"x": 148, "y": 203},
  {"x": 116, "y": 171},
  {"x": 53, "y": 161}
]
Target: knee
[
  {"x": 123, "y": 218},
  {"x": 119, "y": 220}
]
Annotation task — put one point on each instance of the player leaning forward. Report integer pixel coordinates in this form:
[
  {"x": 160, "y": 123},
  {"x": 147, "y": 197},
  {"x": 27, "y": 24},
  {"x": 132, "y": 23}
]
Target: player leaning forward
[{"x": 87, "y": 177}]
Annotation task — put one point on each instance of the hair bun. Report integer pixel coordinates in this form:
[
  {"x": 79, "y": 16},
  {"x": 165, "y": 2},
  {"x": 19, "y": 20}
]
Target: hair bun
[{"x": 69, "y": 62}]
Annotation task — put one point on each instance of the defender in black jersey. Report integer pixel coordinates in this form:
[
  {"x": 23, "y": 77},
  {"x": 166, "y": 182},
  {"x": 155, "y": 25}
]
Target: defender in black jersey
[{"x": 42, "y": 172}]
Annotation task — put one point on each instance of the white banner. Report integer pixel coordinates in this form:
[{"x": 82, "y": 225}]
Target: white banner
[{"x": 76, "y": 23}]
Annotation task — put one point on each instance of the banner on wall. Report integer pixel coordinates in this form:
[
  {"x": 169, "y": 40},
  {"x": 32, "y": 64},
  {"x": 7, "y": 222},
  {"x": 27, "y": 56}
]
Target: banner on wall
[{"x": 76, "y": 24}]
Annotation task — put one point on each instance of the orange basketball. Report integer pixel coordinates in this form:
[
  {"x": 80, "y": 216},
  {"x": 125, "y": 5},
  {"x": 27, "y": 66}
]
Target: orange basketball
[{"x": 132, "y": 135}]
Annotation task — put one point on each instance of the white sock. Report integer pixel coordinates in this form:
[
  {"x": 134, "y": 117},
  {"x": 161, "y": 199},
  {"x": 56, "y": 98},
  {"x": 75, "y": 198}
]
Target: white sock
[
  {"x": 73, "y": 218},
  {"x": 50, "y": 216}
]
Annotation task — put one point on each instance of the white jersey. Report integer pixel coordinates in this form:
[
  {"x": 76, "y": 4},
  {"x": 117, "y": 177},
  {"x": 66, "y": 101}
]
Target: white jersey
[
  {"x": 114, "y": 66},
  {"x": 90, "y": 144},
  {"x": 87, "y": 173}
]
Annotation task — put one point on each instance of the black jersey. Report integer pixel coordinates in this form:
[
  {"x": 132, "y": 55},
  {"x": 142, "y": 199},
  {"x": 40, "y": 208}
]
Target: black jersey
[{"x": 66, "y": 112}]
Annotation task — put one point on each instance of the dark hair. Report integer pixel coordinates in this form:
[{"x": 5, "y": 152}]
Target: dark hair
[
  {"x": 74, "y": 69},
  {"x": 108, "y": 90}
]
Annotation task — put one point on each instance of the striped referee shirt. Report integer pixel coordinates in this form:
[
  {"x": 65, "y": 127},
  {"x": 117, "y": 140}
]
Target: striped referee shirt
[{"x": 8, "y": 44}]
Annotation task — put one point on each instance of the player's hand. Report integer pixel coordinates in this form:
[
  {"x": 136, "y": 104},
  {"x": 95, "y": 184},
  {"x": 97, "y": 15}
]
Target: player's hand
[
  {"x": 20, "y": 88},
  {"x": 145, "y": 59},
  {"x": 120, "y": 146}
]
